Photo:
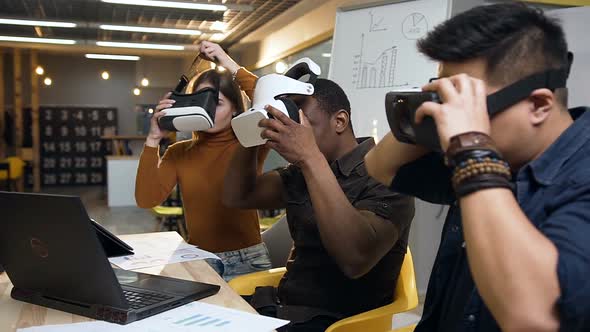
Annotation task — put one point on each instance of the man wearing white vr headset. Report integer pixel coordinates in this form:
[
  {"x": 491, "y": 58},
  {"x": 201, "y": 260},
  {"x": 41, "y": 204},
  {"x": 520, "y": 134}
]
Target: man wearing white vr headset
[{"x": 350, "y": 232}]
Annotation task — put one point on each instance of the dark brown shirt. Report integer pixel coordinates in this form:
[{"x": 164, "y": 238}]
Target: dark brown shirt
[{"x": 313, "y": 278}]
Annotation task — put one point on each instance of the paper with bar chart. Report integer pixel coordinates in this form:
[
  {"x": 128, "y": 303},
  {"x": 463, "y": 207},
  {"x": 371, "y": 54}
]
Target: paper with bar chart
[
  {"x": 198, "y": 316},
  {"x": 193, "y": 317}
]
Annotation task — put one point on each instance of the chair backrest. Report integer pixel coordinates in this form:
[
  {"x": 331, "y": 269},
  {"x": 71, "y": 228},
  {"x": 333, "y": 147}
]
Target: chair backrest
[
  {"x": 405, "y": 289},
  {"x": 279, "y": 242},
  {"x": 5, "y": 171},
  {"x": 17, "y": 166}
]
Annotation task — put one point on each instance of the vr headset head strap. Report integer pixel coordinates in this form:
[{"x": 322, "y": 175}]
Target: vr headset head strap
[{"x": 551, "y": 79}]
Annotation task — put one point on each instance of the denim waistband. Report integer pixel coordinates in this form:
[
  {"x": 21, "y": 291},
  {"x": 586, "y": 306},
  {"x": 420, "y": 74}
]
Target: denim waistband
[{"x": 243, "y": 253}]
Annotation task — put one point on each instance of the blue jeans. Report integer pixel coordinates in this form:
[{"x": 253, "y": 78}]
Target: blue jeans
[{"x": 243, "y": 261}]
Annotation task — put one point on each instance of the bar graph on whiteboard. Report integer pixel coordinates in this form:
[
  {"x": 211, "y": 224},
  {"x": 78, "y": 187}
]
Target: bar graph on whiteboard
[{"x": 378, "y": 73}]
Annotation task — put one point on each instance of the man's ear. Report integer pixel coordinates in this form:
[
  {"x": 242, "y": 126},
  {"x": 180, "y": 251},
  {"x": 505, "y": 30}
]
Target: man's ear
[
  {"x": 341, "y": 120},
  {"x": 543, "y": 102}
]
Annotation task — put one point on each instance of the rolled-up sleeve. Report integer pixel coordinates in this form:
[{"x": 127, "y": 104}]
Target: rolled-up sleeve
[
  {"x": 427, "y": 178},
  {"x": 568, "y": 227},
  {"x": 391, "y": 206}
]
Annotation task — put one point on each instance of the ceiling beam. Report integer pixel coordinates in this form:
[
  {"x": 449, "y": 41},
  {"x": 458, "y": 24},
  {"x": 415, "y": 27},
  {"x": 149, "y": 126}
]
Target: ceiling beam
[
  {"x": 96, "y": 25},
  {"x": 84, "y": 47},
  {"x": 230, "y": 6}
]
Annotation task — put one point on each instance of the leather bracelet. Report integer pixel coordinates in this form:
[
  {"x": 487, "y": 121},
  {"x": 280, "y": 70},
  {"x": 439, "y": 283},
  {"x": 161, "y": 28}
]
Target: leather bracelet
[
  {"x": 483, "y": 182},
  {"x": 469, "y": 141}
]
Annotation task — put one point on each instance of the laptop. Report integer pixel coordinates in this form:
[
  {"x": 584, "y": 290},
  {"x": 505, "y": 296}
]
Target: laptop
[{"x": 54, "y": 258}]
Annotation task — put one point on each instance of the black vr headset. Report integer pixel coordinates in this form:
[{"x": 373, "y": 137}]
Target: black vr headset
[
  {"x": 401, "y": 107},
  {"x": 192, "y": 111}
]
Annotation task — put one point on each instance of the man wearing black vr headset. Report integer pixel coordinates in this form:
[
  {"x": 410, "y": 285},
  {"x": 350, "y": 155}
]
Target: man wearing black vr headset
[{"x": 515, "y": 255}]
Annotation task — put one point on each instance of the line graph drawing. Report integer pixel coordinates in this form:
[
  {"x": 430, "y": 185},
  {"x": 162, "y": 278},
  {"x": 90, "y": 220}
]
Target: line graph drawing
[
  {"x": 376, "y": 24},
  {"x": 379, "y": 73}
]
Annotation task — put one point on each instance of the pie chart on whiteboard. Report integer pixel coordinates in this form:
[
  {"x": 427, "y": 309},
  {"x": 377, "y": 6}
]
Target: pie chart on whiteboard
[{"x": 415, "y": 26}]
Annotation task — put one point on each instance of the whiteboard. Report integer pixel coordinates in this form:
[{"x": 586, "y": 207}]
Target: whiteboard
[
  {"x": 575, "y": 24},
  {"x": 374, "y": 52}
]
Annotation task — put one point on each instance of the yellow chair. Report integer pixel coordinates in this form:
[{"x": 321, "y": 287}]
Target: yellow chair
[
  {"x": 409, "y": 328},
  {"x": 14, "y": 172},
  {"x": 168, "y": 215},
  {"x": 405, "y": 298}
]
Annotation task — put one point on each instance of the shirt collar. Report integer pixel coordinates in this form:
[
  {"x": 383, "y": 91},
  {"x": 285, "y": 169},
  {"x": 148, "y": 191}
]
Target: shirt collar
[
  {"x": 350, "y": 161},
  {"x": 547, "y": 166}
]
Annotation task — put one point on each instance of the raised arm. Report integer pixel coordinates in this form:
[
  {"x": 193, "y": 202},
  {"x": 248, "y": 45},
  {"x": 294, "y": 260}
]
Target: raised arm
[
  {"x": 244, "y": 188},
  {"x": 155, "y": 178}
]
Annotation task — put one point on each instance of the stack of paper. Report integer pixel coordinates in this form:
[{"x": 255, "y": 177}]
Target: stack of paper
[{"x": 157, "y": 249}]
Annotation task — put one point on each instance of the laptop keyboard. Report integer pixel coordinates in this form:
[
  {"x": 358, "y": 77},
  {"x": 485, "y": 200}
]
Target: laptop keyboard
[{"x": 138, "y": 300}]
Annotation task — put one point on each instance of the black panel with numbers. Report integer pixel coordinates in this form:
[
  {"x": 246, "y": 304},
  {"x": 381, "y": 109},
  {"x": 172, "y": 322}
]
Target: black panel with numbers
[{"x": 72, "y": 152}]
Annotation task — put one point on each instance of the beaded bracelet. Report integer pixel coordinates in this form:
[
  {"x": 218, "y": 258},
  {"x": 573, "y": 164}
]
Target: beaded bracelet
[
  {"x": 477, "y": 166},
  {"x": 476, "y": 173}
]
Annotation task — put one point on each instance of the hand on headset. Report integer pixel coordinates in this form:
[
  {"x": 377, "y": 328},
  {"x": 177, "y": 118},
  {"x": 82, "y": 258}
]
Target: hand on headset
[
  {"x": 214, "y": 53},
  {"x": 463, "y": 108},
  {"x": 293, "y": 141},
  {"x": 156, "y": 133}
]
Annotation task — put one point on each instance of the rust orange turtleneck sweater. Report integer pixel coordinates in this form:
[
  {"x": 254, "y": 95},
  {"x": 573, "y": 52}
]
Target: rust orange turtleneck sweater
[{"x": 200, "y": 171}]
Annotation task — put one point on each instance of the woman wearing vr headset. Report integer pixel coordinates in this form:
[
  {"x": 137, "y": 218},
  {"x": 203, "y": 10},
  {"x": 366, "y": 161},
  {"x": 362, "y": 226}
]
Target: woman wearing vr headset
[{"x": 199, "y": 165}]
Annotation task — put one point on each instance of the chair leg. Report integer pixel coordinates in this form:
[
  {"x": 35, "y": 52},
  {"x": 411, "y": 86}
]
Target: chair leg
[
  {"x": 20, "y": 184},
  {"x": 181, "y": 229},
  {"x": 159, "y": 224}
]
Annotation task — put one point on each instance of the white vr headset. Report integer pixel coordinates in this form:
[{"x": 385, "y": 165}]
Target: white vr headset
[
  {"x": 193, "y": 111},
  {"x": 271, "y": 90}
]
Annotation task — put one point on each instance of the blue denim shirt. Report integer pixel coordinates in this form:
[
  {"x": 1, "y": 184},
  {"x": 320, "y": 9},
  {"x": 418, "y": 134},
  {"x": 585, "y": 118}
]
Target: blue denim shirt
[{"x": 554, "y": 192}]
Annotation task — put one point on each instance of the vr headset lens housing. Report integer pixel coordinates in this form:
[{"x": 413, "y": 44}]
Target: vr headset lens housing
[
  {"x": 401, "y": 107},
  {"x": 194, "y": 111}
]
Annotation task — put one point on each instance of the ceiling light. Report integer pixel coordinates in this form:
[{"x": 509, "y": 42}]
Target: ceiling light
[
  {"x": 213, "y": 65},
  {"x": 105, "y": 75},
  {"x": 47, "y": 81},
  {"x": 218, "y": 25},
  {"x": 150, "y": 110},
  {"x": 112, "y": 57},
  {"x": 169, "y": 4},
  {"x": 37, "y": 23},
  {"x": 138, "y": 45},
  {"x": 217, "y": 37},
  {"x": 39, "y": 70},
  {"x": 327, "y": 55},
  {"x": 136, "y": 91},
  {"x": 150, "y": 30},
  {"x": 280, "y": 67},
  {"x": 145, "y": 82},
  {"x": 37, "y": 40}
]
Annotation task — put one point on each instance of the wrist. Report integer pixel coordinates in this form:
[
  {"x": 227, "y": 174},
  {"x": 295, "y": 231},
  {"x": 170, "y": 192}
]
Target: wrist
[
  {"x": 311, "y": 161},
  {"x": 232, "y": 67}
]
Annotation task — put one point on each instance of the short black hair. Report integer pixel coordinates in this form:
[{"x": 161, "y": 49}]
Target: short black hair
[
  {"x": 514, "y": 39},
  {"x": 330, "y": 97}
]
